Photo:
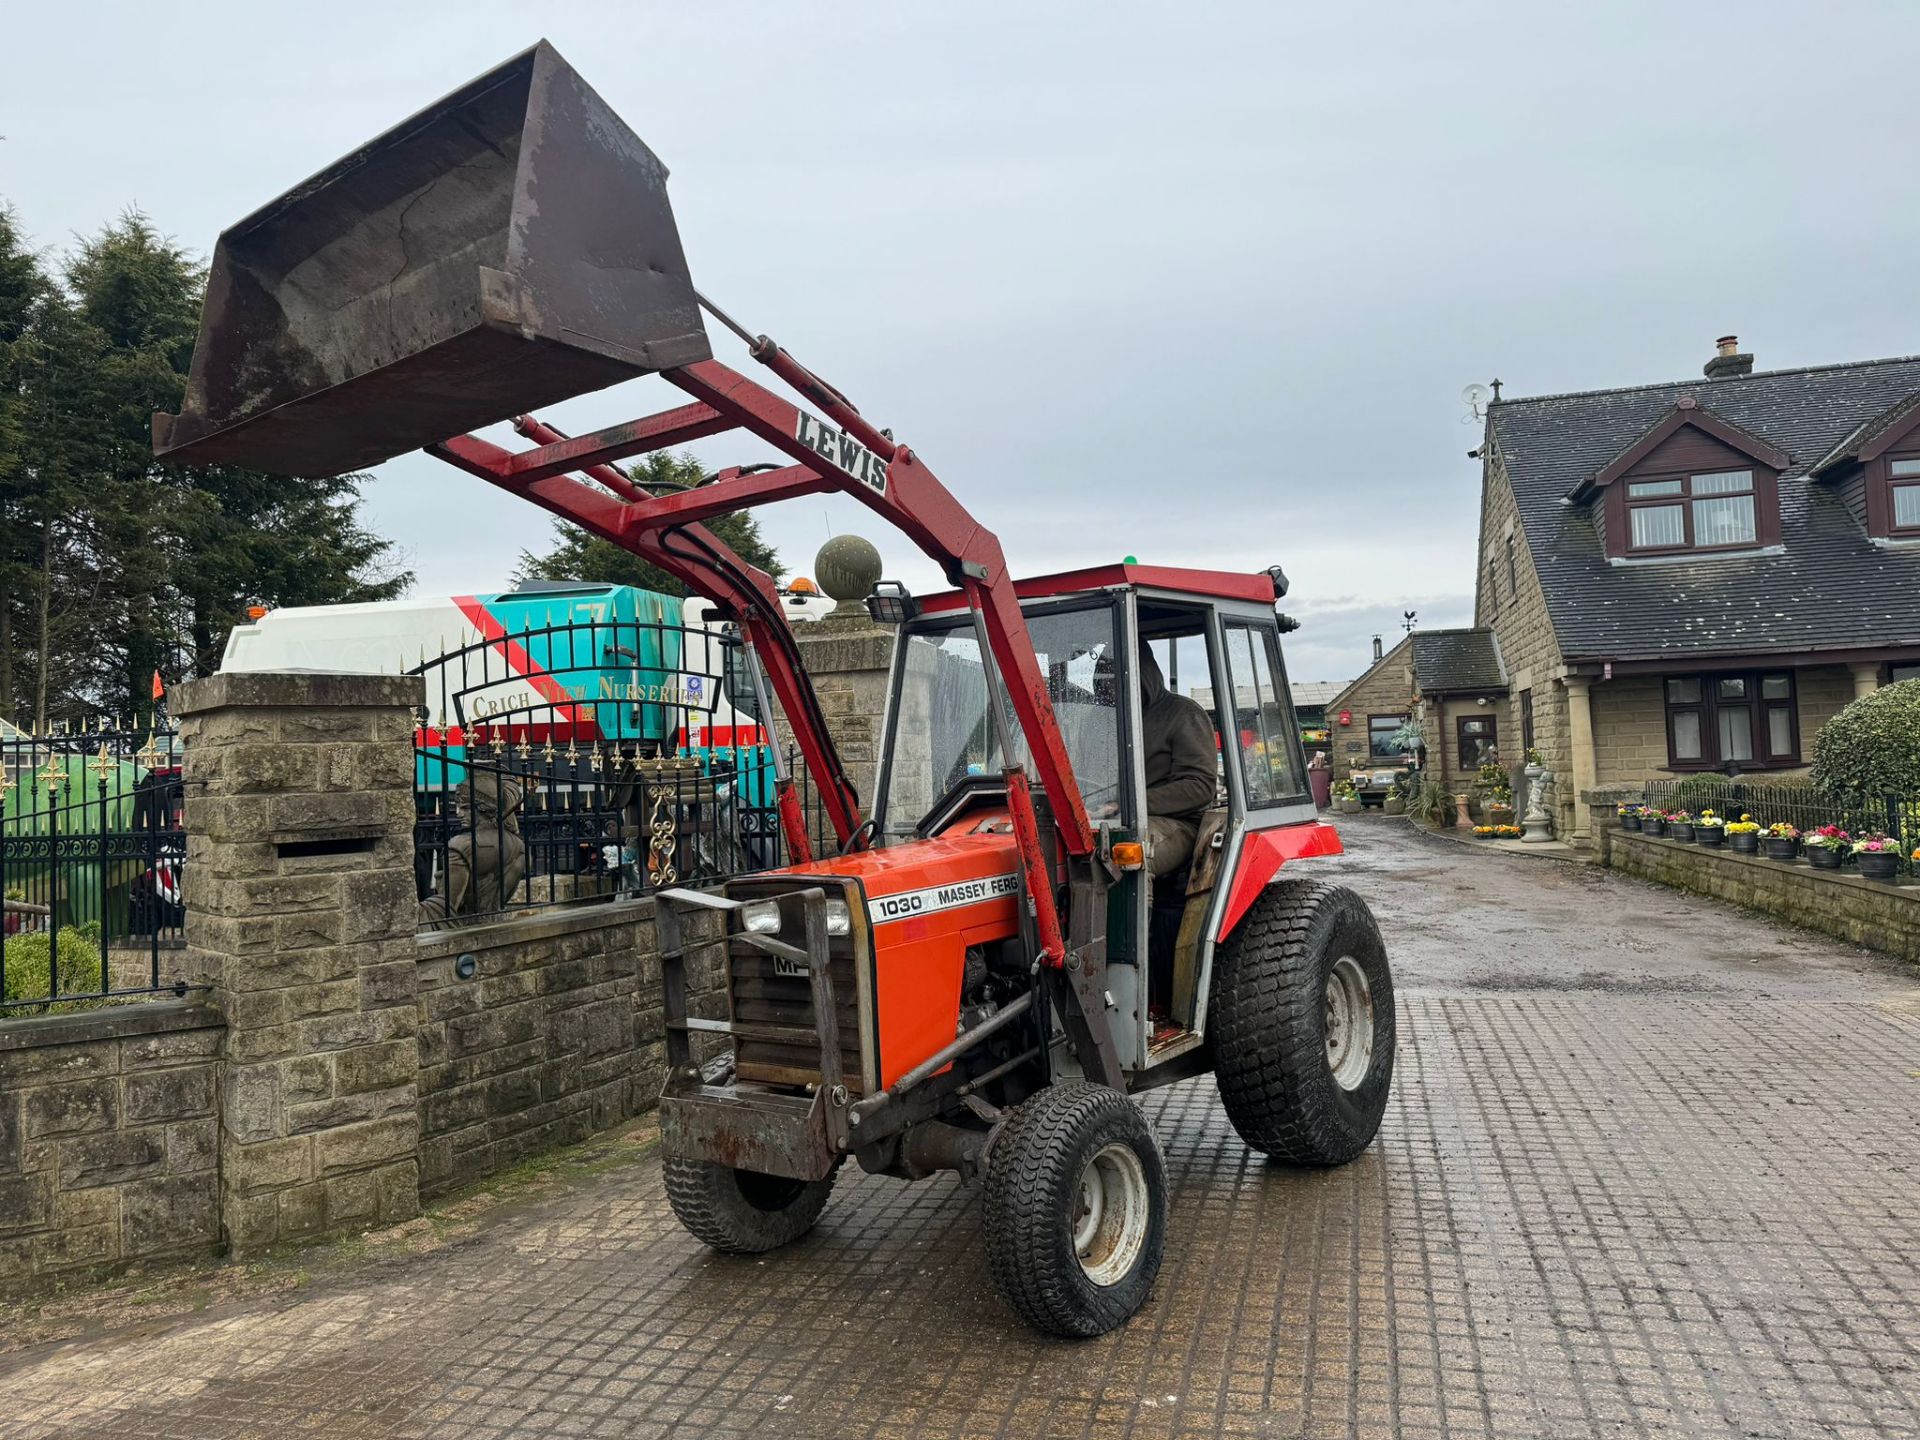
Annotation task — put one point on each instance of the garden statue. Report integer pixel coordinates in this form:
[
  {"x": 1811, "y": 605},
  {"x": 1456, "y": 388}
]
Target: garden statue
[
  {"x": 487, "y": 860},
  {"x": 1537, "y": 825}
]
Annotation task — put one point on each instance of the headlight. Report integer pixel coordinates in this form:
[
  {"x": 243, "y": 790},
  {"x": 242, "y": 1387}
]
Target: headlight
[{"x": 762, "y": 917}]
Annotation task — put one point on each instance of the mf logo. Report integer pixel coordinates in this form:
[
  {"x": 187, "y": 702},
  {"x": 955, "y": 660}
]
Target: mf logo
[{"x": 839, "y": 448}]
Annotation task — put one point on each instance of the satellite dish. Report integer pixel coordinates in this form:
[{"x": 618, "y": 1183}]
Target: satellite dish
[{"x": 1474, "y": 397}]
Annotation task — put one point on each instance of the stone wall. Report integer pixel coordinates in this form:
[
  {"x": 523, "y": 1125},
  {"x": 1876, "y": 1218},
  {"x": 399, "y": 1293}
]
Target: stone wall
[
  {"x": 1520, "y": 622},
  {"x": 1867, "y": 912},
  {"x": 108, "y": 1139},
  {"x": 539, "y": 1030}
]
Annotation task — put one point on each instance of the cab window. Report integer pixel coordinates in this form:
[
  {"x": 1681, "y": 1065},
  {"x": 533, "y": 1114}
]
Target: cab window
[{"x": 1262, "y": 728}]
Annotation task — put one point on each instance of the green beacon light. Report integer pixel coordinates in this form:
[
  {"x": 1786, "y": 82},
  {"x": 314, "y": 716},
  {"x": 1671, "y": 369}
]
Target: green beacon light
[{"x": 1131, "y": 560}]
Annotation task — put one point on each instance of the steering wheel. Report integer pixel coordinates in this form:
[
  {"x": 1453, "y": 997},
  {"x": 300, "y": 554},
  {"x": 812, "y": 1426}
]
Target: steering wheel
[
  {"x": 1089, "y": 798},
  {"x": 861, "y": 838}
]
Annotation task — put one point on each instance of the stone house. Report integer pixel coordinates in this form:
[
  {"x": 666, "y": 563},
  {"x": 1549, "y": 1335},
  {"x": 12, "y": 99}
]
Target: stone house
[
  {"x": 1694, "y": 576},
  {"x": 1451, "y": 683}
]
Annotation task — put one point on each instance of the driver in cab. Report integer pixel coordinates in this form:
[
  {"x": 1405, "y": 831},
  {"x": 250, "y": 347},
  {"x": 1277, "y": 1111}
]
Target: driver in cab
[{"x": 1181, "y": 768}]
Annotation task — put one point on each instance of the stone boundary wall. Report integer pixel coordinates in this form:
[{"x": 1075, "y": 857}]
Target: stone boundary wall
[
  {"x": 1868, "y": 912},
  {"x": 538, "y": 1031},
  {"x": 108, "y": 1139}
]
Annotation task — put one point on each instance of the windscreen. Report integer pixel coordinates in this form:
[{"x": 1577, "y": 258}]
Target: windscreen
[{"x": 942, "y": 732}]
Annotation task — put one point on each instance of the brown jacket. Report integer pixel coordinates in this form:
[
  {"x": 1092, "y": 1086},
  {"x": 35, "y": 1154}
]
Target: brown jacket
[{"x": 1182, "y": 763}]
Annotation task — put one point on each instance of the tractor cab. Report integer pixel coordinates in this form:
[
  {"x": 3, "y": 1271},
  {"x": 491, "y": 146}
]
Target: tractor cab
[{"x": 1208, "y": 635}]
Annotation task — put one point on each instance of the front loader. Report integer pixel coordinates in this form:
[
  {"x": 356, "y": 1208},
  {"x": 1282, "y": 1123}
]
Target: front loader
[{"x": 988, "y": 965}]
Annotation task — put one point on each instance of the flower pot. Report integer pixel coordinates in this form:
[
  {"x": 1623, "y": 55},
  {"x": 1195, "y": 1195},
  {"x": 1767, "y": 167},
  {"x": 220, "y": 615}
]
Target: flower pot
[
  {"x": 1776, "y": 847},
  {"x": 1349, "y": 804},
  {"x": 1679, "y": 830},
  {"x": 1653, "y": 825},
  {"x": 1879, "y": 864},
  {"x": 1629, "y": 822},
  {"x": 1747, "y": 842},
  {"x": 1393, "y": 805},
  {"x": 1709, "y": 835},
  {"x": 1823, "y": 857}
]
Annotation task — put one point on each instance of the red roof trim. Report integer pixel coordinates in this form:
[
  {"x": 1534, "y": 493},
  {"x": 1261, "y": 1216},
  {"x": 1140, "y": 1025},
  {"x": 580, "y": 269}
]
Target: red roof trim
[{"x": 1214, "y": 584}]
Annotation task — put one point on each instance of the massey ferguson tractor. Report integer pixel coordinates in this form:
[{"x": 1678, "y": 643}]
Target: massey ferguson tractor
[{"x": 981, "y": 968}]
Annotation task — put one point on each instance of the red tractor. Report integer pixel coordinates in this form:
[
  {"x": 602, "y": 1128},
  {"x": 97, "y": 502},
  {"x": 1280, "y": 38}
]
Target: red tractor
[{"x": 985, "y": 968}]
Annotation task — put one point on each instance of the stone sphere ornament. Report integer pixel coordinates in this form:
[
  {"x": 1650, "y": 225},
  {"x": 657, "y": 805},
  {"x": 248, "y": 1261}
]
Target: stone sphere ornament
[{"x": 847, "y": 567}]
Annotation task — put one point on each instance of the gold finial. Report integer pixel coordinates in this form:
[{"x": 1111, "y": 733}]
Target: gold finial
[
  {"x": 7, "y": 784},
  {"x": 103, "y": 764},
  {"x": 524, "y": 749},
  {"x": 595, "y": 760},
  {"x": 149, "y": 754},
  {"x": 496, "y": 742},
  {"x": 547, "y": 752},
  {"x": 52, "y": 774}
]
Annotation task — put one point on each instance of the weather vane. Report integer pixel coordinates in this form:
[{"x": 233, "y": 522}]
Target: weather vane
[{"x": 1406, "y": 620}]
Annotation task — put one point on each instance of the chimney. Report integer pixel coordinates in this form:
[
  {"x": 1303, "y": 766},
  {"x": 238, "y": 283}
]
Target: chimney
[
  {"x": 1727, "y": 362},
  {"x": 1378, "y": 654}
]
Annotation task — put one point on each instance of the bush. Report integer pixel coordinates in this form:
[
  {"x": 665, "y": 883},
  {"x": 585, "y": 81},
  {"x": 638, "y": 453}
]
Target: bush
[
  {"x": 29, "y": 960},
  {"x": 1701, "y": 792},
  {"x": 1871, "y": 749},
  {"x": 1433, "y": 805}
]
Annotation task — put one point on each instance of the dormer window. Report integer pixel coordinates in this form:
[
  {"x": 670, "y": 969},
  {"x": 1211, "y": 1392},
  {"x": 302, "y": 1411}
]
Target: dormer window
[
  {"x": 1713, "y": 511},
  {"x": 1903, "y": 476},
  {"x": 1691, "y": 484}
]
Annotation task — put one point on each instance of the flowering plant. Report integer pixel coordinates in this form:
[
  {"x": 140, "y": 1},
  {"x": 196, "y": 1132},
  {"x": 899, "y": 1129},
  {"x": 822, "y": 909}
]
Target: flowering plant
[
  {"x": 1830, "y": 837},
  {"x": 1533, "y": 756},
  {"x": 1709, "y": 821},
  {"x": 1627, "y": 812},
  {"x": 1781, "y": 830},
  {"x": 1505, "y": 832},
  {"x": 1483, "y": 830},
  {"x": 1345, "y": 790},
  {"x": 1679, "y": 817},
  {"x": 1745, "y": 825},
  {"x": 1876, "y": 844}
]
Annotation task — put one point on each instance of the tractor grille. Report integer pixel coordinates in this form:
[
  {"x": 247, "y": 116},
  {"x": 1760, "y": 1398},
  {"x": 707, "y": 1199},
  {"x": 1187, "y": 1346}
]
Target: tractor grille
[{"x": 760, "y": 994}]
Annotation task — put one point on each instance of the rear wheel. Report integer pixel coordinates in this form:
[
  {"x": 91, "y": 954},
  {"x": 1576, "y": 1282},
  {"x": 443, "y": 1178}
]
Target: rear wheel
[
  {"x": 743, "y": 1212},
  {"x": 1075, "y": 1209},
  {"x": 1301, "y": 1018}
]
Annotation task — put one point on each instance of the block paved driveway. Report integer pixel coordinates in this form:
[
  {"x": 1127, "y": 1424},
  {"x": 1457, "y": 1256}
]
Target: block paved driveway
[{"x": 1650, "y": 1169}]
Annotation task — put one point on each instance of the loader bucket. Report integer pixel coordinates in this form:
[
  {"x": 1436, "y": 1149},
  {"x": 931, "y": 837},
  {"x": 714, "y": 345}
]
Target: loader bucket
[{"x": 502, "y": 250}]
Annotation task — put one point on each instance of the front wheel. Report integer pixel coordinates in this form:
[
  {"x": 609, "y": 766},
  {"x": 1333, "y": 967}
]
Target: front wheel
[
  {"x": 1302, "y": 1023},
  {"x": 1075, "y": 1209},
  {"x": 743, "y": 1212}
]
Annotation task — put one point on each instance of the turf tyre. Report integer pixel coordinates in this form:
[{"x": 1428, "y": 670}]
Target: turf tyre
[
  {"x": 1035, "y": 1164},
  {"x": 1269, "y": 1018},
  {"x": 743, "y": 1212}
]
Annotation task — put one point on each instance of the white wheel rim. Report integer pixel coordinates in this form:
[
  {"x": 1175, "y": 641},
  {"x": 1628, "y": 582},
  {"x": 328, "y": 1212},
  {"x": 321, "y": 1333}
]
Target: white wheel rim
[
  {"x": 1110, "y": 1214},
  {"x": 1349, "y": 1016}
]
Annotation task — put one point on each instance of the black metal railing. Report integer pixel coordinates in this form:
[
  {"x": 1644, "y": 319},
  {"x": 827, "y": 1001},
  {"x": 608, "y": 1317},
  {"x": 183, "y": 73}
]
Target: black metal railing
[
  {"x": 92, "y": 853},
  {"x": 592, "y": 759},
  {"x": 1801, "y": 806}
]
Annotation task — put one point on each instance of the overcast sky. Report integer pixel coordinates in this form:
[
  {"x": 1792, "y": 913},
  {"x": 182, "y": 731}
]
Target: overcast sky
[{"x": 1200, "y": 284}]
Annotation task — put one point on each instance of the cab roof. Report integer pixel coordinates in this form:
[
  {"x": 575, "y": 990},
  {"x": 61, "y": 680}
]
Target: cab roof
[{"x": 1201, "y": 584}]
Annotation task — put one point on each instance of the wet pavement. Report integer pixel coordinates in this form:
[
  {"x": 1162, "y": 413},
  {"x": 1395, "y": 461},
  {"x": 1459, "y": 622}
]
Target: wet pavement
[{"x": 1651, "y": 1167}]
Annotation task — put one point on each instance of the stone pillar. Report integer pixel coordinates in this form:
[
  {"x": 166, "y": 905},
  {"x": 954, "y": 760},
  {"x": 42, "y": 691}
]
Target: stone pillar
[
  {"x": 1866, "y": 679},
  {"x": 299, "y": 818},
  {"x": 1580, "y": 742},
  {"x": 848, "y": 658}
]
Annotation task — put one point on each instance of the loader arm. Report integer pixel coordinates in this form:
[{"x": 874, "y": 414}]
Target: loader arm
[{"x": 848, "y": 455}]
